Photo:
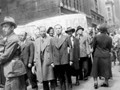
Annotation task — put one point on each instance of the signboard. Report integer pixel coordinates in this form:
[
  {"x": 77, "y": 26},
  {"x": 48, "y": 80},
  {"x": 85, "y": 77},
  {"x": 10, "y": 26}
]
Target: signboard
[{"x": 71, "y": 20}]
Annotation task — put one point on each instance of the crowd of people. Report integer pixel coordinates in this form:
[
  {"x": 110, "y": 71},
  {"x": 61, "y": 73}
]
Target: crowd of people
[{"x": 53, "y": 58}]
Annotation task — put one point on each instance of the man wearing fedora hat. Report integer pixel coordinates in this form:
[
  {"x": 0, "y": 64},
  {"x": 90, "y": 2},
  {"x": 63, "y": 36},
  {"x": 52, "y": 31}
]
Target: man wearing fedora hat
[
  {"x": 76, "y": 51},
  {"x": 84, "y": 52},
  {"x": 14, "y": 68}
]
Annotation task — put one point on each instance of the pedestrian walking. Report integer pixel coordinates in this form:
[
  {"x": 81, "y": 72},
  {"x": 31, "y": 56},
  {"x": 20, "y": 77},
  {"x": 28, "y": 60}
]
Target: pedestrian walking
[
  {"x": 43, "y": 61},
  {"x": 14, "y": 69},
  {"x": 27, "y": 56},
  {"x": 59, "y": 47},
  {"x": 102, "y": 44},
  {"x": 84, "y": 53},
  {"x": 76, "y": 53}
]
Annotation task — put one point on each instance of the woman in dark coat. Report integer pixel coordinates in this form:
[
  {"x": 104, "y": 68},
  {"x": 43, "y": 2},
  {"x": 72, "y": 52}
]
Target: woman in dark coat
[{"x": 102, "y": 44}]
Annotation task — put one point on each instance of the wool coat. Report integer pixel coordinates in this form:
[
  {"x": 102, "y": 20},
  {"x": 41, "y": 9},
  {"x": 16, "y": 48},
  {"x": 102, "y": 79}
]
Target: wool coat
[{"x": 44, "y": 70}]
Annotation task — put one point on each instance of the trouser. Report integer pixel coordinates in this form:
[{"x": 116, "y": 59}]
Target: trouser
[
  {"x": 46, "y": 85},
  {"x": 64, "y": 76},
  {"x": 32, "y": 78},
  {"x": 2, "y": 78},
  {"x": 15, "y": 83},
  {"x": 89, "y": 66},
  {"x": 83, "y": 64}
]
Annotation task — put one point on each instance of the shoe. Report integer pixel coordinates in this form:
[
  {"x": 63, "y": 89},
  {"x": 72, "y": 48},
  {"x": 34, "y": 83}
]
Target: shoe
[
  {"x": 96, "y": 86},
  {"x": 77, "y": 83},
  {"x": 86, "y": 78},
  {"x": 104, "y": 85}
]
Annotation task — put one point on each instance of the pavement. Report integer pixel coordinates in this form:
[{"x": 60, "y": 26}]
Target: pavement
[{"x": 114, "y": 83}]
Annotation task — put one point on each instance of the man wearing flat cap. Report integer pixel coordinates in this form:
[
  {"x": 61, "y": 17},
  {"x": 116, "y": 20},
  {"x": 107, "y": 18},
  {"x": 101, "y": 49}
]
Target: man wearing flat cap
[
  {"x": 14, "y": 68},
  {"x": 76, "y": 53}
]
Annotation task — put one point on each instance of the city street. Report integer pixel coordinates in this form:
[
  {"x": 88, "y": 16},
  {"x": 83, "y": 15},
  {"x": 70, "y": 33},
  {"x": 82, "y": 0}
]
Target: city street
[{"x": 114, "y": 83}]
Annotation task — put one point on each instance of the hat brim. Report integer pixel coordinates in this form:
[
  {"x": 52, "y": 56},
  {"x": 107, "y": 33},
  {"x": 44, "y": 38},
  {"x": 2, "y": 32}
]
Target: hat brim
[
  {"x": 79, "y": 29},
  {"x": 71, "y": 30},
  {"x": 14, "y": 24}
]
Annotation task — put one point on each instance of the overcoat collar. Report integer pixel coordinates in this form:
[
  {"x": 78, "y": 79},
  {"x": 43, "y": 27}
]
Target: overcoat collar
[
  {"x": 44, "y": 42},
  {"x": 59, "y": 41}
]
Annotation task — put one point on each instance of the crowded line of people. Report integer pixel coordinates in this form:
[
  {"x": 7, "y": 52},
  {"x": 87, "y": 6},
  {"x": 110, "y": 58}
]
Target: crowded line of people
[{"x": 53, "y": 57}]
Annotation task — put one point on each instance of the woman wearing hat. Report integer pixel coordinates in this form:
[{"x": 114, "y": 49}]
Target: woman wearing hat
[{"x": 102, "y": 44}]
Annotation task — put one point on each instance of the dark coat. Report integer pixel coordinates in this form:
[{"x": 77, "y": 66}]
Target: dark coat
[
  {"x": 43, "y": 59},
  {"x": 76, "y": 53},
  {"x": 27, "y": 53},
  {"x": 59, "y": 47},
  {"x": 102, "y": 45}
]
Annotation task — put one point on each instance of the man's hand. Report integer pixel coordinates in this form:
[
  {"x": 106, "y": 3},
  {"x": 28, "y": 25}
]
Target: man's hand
[
  {"x": 33, "y": 69},
  {"x": 52, "y": 65},
  {"x": 71, "y": 63},
  {"x": 29, "y": 65}
]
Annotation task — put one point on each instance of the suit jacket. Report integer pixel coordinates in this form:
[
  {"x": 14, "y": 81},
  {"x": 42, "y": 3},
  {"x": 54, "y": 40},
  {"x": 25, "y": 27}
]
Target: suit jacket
[
  {"x": 12, "y": 65},
  {"x": 43, "y": 59},
  {"x": 27, "y": 53},
  {"x": 102, "y": 45},
  {"x": 76, "y": 52},
  {"x": 59, "y": 50}
]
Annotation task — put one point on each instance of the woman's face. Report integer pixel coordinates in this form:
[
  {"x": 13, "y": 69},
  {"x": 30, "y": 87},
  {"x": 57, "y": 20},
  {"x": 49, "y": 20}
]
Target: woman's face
[{"x": 51, "y": 33}]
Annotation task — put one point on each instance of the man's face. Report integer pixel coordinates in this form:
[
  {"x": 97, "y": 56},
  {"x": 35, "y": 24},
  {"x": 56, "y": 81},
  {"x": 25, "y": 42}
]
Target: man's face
[
  {"x": 22, "y": 36},
  {"x": 58, "y": 29},
  {"x": 37, "y": 33},
  {"x": 43, "y": 31},
  {"x": 7, "y": 29},
  {"x": 80, "y": 32},
  {"x": 70, "y": 33}
]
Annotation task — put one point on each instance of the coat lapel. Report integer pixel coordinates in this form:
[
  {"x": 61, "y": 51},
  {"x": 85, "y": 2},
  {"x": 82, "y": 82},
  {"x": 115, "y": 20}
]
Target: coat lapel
[
  {"x": 44, "y": 43},
  {"x": 55, "y": 40},
  {"x": 61, "y": 40}
]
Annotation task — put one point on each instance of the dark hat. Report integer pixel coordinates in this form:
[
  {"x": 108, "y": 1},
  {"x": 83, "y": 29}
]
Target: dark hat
[
  {"x": 70, "y": 29},
  {"x": 79, "y": 27},
  {"x": 9, "y": 20},
  {"x": 103, "y": 28}
]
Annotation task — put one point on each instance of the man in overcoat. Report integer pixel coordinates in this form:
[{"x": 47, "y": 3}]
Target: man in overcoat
[
  {"x": 43, "y": 61},
  {"x": 59, "y": 46},
  {"x": 14, "y": 69},
  {"x": 27, "y": 56},
  {"x": 76, "y": 53}
]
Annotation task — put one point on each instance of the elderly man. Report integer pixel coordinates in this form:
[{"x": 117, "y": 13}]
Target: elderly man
[
  {"x": 27, "y": 56},
  {"x": 14, "y": 69},
  {"x": 43, "y": 60},
  {"x": 59, "y": 48}
]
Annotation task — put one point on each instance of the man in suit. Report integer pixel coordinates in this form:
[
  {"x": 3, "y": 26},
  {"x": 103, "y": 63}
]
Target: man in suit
[
  {"x": 27, "y": 56},
  {"x": 76, "y": 53},
  {"x": 59, "y": 49},
  {"x": 14, "y": 69}
]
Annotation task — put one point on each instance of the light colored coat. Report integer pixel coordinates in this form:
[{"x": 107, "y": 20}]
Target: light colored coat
[
  {"x": 12, "y": 65},
  {"x": 44, "y": 70}
]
